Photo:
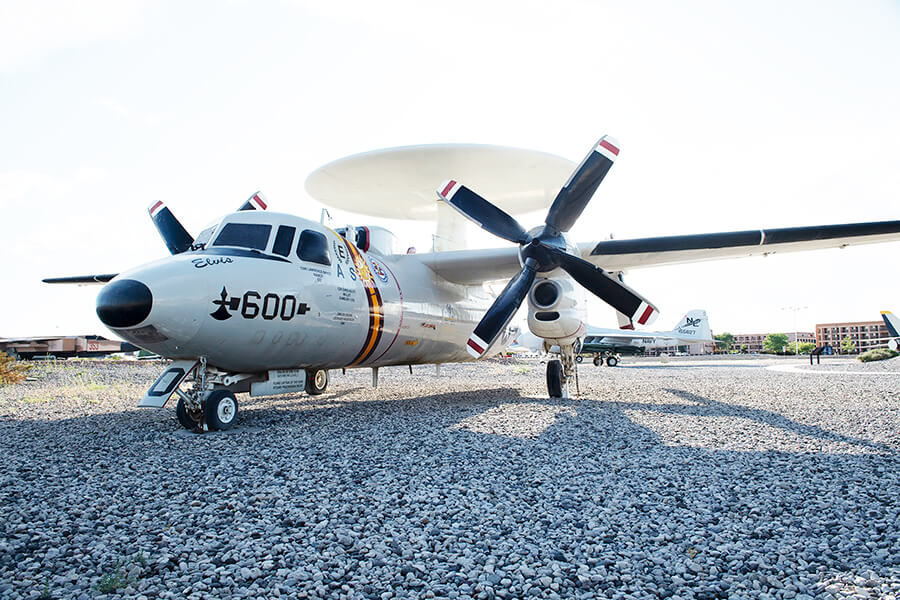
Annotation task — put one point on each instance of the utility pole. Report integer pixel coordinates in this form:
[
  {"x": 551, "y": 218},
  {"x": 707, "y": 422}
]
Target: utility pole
[{"x": 796, "y": 309}]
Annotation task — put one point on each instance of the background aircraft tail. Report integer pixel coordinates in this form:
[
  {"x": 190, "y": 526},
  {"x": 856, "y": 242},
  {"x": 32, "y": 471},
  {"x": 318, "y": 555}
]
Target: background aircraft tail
[
  {"x": 891, "y": 322},
  {"x": 693, "y": 326}
]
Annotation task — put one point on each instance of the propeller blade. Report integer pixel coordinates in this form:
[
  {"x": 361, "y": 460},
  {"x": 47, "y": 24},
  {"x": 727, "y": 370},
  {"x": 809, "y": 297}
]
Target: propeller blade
[
  {"x": 579, "y": 189},
  {"x": 255, "y": 202},
  {"x": 608, "y": 288},
  {"x": 173, "y": 233},
  {"x": 483, "y": 213},
  {"x": 501, "y": 311}
]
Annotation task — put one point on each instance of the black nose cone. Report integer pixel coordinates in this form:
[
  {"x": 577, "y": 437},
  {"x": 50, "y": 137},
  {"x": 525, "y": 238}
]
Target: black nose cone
[{"x": 124, "y": 303}]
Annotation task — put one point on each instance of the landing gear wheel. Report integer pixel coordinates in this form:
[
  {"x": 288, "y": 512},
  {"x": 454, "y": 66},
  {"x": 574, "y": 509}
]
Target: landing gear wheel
[
  {"x": 316, "y": 381},
  {"x": 579, "y": 359},
  {"x": 612, "y": 361},
  {"x": 598, "y": 361},
  {"x": 220, "y": 408},
  {"x": 554, "y": 378},
  {"x": 185, "y": 417}
]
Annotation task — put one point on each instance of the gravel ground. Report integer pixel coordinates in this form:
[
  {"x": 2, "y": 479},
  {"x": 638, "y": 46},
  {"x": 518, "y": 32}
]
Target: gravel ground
[{"x": 659, "y": 481}]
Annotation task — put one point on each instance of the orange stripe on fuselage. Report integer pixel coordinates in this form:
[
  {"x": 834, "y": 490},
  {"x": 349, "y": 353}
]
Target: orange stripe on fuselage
[{"x": 376, "y": 309}]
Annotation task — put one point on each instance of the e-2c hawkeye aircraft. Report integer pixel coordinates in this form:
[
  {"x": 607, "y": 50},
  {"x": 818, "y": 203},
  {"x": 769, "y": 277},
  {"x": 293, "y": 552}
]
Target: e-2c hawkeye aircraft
[{"x": 268, "y": 303}]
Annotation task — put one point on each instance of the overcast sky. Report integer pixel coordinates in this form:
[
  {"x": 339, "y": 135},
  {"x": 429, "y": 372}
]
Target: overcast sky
[{"x": 730, "y": 116}]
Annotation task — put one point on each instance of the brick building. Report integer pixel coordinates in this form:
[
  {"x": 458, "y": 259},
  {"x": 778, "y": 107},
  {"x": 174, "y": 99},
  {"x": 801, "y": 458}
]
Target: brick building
[
  {"x": 755, "y": 341},
  {"x": 865, "y": 334}
]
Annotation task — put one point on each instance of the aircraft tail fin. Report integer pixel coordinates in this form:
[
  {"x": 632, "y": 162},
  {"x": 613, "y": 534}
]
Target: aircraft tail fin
[
  {"x": 892, "y": 322},
  {"x": 693, "y": 326}
]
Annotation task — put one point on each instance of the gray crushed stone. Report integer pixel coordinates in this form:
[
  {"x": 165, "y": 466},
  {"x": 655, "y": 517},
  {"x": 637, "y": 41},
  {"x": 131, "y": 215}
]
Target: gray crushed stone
[{"x": 695, "y": 482}]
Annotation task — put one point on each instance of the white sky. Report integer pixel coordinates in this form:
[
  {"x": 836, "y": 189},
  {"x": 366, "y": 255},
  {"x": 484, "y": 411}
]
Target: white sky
[{"x": 730, "y": 115}]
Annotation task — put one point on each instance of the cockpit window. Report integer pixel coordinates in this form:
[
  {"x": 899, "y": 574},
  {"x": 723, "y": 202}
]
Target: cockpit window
[
  {"x": 283, "y": 240},
  {"x": 203, "y": 237},
  {"x": 244, "y": 235},
  {"x": 313, "y": 247}
]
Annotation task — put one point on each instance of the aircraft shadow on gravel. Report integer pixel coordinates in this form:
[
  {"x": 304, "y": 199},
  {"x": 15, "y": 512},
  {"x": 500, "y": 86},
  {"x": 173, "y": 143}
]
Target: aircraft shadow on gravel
[{"x": 701, "y": 406}]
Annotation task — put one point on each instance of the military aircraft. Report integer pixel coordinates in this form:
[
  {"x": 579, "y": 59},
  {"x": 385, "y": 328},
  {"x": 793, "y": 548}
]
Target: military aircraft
[
  {"x": 267, "y": 302},
  {"x": 609, "y": 343}
]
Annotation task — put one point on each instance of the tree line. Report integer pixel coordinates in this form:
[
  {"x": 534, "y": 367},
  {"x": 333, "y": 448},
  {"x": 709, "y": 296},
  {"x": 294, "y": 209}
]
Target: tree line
[{"x": 777, "y": 343}]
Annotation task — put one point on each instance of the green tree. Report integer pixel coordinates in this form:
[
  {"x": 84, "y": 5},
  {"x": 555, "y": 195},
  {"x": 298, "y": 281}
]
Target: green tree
[
  {"x": 775, "y": 342},
  {"x": 726, "y": 340},
  {"x": 848, "y": 346},
  {"x": 744, "y": 348},
  {"x": 805, "y": 347}
]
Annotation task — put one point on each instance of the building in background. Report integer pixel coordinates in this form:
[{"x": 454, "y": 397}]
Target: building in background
[
  {"x": 755, "y": 341},
  {"x": 865, "y": 334}
]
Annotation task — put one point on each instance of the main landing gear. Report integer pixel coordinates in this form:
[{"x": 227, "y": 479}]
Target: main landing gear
[{"x": 316, "y": 381}]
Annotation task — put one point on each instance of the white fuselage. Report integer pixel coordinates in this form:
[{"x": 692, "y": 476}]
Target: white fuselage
[{"x": 251, "y": 310}]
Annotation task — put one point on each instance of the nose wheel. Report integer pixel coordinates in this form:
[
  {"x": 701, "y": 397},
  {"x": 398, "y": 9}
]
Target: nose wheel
[
  {"x": 560, "y": 373},
  {"x": 215, "y": 410},
  {"x": 220, "y": 407}
]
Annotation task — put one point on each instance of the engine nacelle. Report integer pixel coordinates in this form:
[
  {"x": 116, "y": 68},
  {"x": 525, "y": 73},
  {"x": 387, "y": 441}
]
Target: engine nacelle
[{"x": 553, "y": 312}]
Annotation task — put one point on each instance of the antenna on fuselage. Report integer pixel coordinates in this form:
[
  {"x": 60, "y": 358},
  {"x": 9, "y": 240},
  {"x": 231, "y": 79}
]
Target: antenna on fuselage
[{"x": 324, "y": 214}]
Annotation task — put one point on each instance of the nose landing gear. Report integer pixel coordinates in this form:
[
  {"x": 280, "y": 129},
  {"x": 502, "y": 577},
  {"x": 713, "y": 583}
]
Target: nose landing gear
[
  {"x": 212, "y": 410},
  {"x": 561, "y": 371}
]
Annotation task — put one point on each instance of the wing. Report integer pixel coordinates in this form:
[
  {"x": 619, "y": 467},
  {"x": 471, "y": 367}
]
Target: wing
[
  {"x": 82, "y": 279},
  {"x": 472, "y": 267},
  {"x": 615, "y": 255}
]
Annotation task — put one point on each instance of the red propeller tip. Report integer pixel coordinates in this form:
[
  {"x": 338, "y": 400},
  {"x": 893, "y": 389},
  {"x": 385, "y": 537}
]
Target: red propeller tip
[
  {"x": 476, "y": 346},
  {"x": 156, "y": 207},
  {"x": 645, "y": 313},
  {"x": 447, "y": 189},
  {"x": 608, "y": 147}
]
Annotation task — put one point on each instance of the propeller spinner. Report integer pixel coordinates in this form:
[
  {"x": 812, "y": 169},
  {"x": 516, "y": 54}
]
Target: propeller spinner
[{"x": 544, "y": 248}]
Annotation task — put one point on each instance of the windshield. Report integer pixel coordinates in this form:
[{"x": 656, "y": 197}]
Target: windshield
[{"x": 244, "y": 235}]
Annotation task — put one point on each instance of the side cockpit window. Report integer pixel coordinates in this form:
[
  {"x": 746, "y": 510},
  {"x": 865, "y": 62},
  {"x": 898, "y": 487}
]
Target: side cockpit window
[
  {"x": 313, "y": 247},
  {"x": 284, "y": 238},
  {"x": 254, "y": 236}
]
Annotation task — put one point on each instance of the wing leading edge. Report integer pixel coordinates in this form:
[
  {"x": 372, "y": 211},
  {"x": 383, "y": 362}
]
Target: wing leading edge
[
  {"x": 650, "y": 252},
  {"x": 476, "y": 266}
]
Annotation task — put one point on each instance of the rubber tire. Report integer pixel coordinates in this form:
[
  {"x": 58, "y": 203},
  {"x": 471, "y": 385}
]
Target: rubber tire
[
  {"x": 598, "y": 361},
  {"x": 184, "y": 417},
  {"x": 211, "y": 411},
  {"x": 612, "y": 361},
  {"x": 579, "y": 359},
  {"x": 313, "y": 388},
  {"x": 554, "y": 378}
]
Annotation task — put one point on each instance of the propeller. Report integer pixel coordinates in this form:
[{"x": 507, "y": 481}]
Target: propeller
[
  {"x": 173, "y": 233},
  {"x": 543, "y": 249},
  {"x": 255, "y": 202}
]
